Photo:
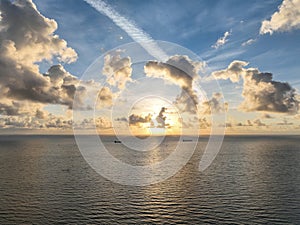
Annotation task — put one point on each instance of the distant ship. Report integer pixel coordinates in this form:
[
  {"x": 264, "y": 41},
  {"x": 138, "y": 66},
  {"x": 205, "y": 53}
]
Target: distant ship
[{"x": 187, "y": 140}]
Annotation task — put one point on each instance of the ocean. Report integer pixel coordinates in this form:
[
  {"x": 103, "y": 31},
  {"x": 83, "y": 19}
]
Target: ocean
[{"x": 253, "y": 180}]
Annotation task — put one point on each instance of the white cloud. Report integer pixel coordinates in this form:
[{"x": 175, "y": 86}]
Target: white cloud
[
  {"x": 260, "y": 91},
  {"x": 103, "y": 123},
  {"x": 214, "y": 105},
  {"x": 233, "y": 72},
  {"x": 29, "y": 36},
  {"x": 105, "y": 98},
  {"x": 117, "y": 69},
  {"x": 222, "y": 40},
  {"x": 249, "y": 42},
  {"x": 182, "y": 71},
  {"x": 26, "y": 38},
  {"x": 285, "y": 19}
]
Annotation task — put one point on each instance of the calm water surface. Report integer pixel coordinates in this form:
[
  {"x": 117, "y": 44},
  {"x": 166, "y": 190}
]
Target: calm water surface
[{"x": 254, "y": 180}]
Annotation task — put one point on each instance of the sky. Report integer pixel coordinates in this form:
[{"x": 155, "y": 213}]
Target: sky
[{"x": 192, "y": 66}]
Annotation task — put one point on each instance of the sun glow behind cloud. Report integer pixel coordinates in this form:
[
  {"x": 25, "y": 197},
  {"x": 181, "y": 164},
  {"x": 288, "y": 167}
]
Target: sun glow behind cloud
[{"x": 34, "y": 100}]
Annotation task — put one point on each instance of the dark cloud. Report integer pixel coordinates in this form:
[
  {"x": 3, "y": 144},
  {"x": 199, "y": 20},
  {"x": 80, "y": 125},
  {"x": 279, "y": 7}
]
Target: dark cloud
[
  {"x": 10, "y": 109},
  {"x": 63, "y": 87},
  {"x": 122, "y": 119},
  {"x": 261, "y": 93},
  {"x": 136, "y": 120},
  {"x": 17, "y": 108},
  {"x": 251, "y": 123},
  {"x": 160, "y": 120}
]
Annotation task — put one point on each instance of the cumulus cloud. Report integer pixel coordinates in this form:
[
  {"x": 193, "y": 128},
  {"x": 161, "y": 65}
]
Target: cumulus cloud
[
  {"x": 259, "y": 123},
  {"x": 105, "y": 98},
  {"x": 204, "y": 123},
  {"x": 10, "y": 108},
  {"x": 136, "y": 120},
  {"x": 260, "y": 91},
  {"x": 103, "y": 123},
  {"x": 92, "y": 123},
  {"x": 185, "y": 123},
  {"x": 40, "y": 114},
  {"x": 16, "y": 108},
  {"x": 182, "y": 71},
  {"x": 29, "y": 35},
  {"x": 233, "y": 72},
  {"x": 222, "y": 40},
  {"x": 149, "y": 120},
  {"x": 62, "y": 87},
  {"x": 59, "y": 123},
  {"x": 214, "y": 105},
  {"x": 19, "y": 122},
  {"x": 251, "y": 123},
  {"x": 285, "y": 19},
  {"x": 117, "y": 69},
  {"x": 160, "y": 120},
  {"x": 27, "y": 38},
  {"x": 285, "y": 123},
  {"x": 42, "y": 120}
]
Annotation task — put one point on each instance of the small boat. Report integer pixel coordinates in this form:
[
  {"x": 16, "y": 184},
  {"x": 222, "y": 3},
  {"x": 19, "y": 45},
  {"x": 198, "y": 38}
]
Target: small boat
[
  {"x": 187, "y": 140},
  {"x": 117, "y": 142}
]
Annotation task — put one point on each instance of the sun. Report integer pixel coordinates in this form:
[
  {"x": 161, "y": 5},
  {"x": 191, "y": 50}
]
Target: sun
[{"x": 153, "y": 116}]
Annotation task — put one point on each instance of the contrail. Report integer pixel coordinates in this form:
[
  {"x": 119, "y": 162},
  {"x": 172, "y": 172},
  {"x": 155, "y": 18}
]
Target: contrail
[
  {"x": 147, "y": 42},
  {"x": 137, "y": 34}
]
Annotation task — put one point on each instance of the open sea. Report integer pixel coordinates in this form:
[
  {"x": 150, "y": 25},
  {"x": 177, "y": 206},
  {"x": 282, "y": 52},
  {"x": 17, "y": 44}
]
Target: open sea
[{"x": 253, "y": 180}]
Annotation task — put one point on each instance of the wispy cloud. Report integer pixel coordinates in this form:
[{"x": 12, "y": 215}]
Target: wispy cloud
[
  {"x": 136, "y": 33},
  {"x": 249, "y": 42},
  {"x": 222, "y": 40}
]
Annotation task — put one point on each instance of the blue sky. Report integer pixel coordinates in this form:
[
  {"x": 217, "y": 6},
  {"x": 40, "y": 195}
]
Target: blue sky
[
  {"x": 195, "y": 25},
  {"x": 240, "y": 41}
]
